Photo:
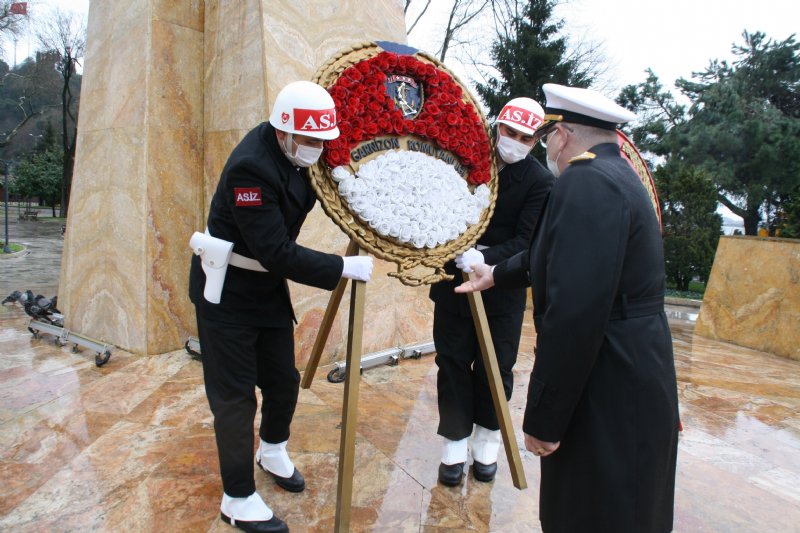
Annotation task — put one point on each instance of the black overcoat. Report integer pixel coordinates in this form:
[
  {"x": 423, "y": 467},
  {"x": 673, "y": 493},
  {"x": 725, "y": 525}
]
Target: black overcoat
[
  {"x": 264, "y": 229},
  {"x": 603, "y": 381},
  {"x": 522, "y": 189}
]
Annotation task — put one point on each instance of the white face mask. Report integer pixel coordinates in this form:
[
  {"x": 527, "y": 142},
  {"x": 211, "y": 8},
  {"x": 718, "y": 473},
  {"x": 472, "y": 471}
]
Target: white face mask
[
  {"x": 510, "y": 150},
  {"x": 552, "y": 166},
  {"x": 304, "y": 156}
]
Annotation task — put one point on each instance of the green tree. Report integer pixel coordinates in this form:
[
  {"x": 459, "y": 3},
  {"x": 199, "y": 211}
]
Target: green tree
[
  {"x": 65, "y": 36},
  {"x": 788, "y": 220},
  {"x": 39, "y": 175},
  {"x": 744, "y": 127},
  {"x": 691, "y": 226},
  {"x": 530, "y": 53},
  {"x": 657, "y": 114}
]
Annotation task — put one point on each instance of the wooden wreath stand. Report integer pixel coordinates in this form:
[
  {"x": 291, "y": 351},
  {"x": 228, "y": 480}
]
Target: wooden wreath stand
[{"x": 344, "y": 491}]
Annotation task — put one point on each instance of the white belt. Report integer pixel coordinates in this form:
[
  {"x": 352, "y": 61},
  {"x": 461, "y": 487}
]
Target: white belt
[
  {"x": 241, "y": 261},
  {"x": 246, "y": 263}
]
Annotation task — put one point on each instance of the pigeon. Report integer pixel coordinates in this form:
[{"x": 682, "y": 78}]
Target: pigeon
[{"x": 13, "y": 297}]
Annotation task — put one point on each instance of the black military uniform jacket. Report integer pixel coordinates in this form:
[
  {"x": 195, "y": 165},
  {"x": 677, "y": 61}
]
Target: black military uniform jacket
[
  {"x": 522, "y": 189},
  {"x": 259, "y": 205},
  {"x": 603, "y": 381}
]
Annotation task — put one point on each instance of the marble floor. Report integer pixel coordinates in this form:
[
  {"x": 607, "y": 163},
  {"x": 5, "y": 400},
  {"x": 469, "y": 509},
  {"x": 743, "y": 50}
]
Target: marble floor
[{"x": 129, "y": 446}]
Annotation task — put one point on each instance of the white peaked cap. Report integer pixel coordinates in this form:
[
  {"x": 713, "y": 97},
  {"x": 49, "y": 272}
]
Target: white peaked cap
[{"x": 583, "y": 106}]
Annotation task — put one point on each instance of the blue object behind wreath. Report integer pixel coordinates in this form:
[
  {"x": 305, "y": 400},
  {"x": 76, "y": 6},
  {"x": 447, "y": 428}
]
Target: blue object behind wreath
[{"x": 397, "y": 48}]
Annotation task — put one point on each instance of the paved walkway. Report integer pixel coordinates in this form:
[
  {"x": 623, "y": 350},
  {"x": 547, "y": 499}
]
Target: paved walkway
[
  {"x": 130, "y": 446},
  {"x": 38, "y": 268}
]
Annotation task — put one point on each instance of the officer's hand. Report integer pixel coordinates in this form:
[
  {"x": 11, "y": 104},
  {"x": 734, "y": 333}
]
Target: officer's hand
[
  {"x": 540, "y": 447},
  {"x": 469, "y": 259},
  {"x": 479, "y": 280},
  {"x": 358, "y": 267}
]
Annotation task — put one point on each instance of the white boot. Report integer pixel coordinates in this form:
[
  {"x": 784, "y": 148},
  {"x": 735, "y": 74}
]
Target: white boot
[
  {"x": 485, "y": 445},
  {"x": 250, "y": 509},
  {"x": 274, "y": 458},
  {"x": 454, "y": 451}
]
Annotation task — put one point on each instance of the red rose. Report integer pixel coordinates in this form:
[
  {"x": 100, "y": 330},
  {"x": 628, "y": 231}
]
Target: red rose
[
  {"x": 345, "y": 82},
  {"x": 375, "y": 108},
  {"x": 452, "y": 119},
  {"x": 354, "y": 103},
  {"x": 383, "y": 123},
  {"x": 334, "y": 158},
  {"x": 405, "y": 63},
  {"x": 398, "y": 125},
  {"x": 357, "y": 135},
  {"x": 420, "y": 127},
  {"x": 345, "y": 129},
  {"x": 444, "y": 137},
  {"x": 429, "y": 119},
  {"x": 433, "y": 109},
  {"x": 379, "y": 76},
  {"x": 433, "y": 131},
  {"x": 364, "y": 67},
  {"x": 371, "y": 128},
  {"x": 381, "y": 61},
  {"x": 353, "y": 73}
]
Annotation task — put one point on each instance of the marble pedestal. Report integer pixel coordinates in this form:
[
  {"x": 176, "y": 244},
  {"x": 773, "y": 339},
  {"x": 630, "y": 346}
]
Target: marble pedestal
[
  {"x": 169, "y": 88},
  {"x": 753, "y": 295}
]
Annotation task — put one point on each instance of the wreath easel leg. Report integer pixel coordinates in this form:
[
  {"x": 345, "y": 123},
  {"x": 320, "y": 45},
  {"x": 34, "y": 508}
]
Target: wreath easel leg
[
  {"x": 496, "y": 387},
  {"x": 327, "y": 324},
  {"x": 347, "y": 443}
]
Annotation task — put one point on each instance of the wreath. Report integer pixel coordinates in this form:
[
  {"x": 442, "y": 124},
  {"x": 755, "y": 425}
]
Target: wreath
[{"x": 410, "y": 178}]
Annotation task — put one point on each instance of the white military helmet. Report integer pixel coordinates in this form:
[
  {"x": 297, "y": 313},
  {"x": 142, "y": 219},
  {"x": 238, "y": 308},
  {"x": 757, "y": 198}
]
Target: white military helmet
[
  {"x": 523, "y": 114},
  {"x": 305, "y": 108}
]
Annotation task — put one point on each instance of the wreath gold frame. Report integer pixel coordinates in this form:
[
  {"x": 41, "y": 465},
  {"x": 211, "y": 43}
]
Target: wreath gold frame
[{"x": 413, "y": 264}]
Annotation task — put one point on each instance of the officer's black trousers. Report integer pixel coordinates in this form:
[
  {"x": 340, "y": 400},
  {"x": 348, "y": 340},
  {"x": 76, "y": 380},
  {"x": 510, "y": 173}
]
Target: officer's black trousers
[
  {"x": 463, "y": 389},
  {"x": 236, "y": 360}
]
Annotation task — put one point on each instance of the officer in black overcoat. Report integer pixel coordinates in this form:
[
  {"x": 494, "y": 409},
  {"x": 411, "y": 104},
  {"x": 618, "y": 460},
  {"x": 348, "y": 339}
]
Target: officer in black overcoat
[
  {"x": 238, "y": 286},
  {"x": 464, "y": 397},
  {"x": 602, "y": 407}
]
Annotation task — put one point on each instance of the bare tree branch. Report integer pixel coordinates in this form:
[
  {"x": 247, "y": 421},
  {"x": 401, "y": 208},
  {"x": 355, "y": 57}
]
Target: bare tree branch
[
  {"x": 27, "y": 114},
  {"x": 410, "y": 29}
]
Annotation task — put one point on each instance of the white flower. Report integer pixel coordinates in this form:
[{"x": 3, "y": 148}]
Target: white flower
[{"x": 412, "y": 197}]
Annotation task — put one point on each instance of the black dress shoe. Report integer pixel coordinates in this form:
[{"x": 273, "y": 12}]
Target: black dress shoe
[
  {"x": 273, "y": 525},
  {"x": 451, "y": 475},
  {"x": 293, "y": 483},
  {"x": 484, "y": 472}
]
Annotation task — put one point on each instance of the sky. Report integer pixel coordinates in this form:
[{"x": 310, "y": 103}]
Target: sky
[{"x": 674, "y": 37}]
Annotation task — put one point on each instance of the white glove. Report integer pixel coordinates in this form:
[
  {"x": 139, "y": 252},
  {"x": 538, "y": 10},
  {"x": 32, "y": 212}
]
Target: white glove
[
  {"x": 469, "y": 258},
  {"x": 357, "y": 267}
]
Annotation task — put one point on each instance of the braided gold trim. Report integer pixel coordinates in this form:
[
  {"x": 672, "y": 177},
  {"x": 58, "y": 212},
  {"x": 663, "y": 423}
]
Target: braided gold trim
[
  {"x": 644, "y": 175},
  {"x": 415, "y": 266}
]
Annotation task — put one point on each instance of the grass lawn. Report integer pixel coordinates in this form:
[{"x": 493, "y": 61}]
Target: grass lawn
[
  {"x": 14, "y": 248},
  {"x": 695, "y": 292}
]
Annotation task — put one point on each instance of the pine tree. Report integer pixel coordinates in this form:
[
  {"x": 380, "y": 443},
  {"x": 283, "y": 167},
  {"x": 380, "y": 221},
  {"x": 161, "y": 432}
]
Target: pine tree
[{"x": 530, "y": 54}]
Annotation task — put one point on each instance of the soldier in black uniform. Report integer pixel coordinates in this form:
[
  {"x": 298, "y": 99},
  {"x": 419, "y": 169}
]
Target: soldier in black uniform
[
  {"x": 464, "y": 396},
  {"x": 602, "y": 408},
  {"x": 244, "y": 312}
]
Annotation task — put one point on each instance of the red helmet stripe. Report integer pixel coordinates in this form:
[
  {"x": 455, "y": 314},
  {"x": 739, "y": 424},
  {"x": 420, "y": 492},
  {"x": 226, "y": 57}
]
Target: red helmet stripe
[
  {"x": 520, "y": 116},
  {"x": 314, "y": 119}
]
